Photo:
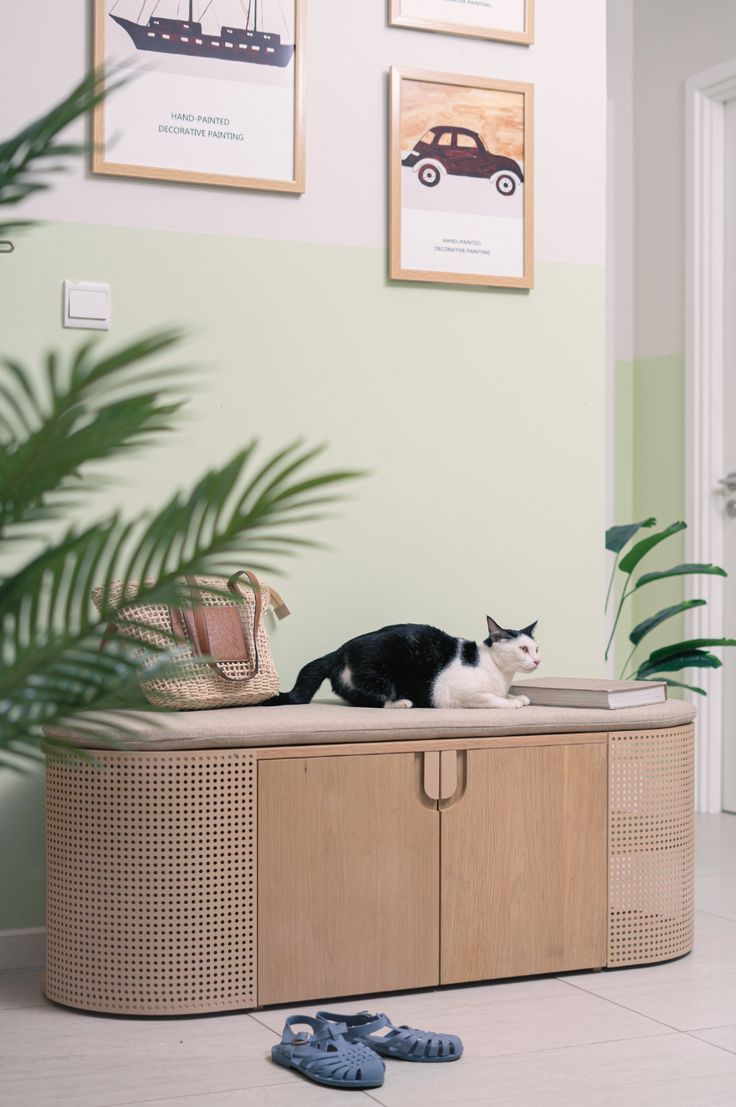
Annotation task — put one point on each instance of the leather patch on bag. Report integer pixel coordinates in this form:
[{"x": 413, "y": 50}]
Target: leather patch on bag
[{"x": 224, "y": 630}]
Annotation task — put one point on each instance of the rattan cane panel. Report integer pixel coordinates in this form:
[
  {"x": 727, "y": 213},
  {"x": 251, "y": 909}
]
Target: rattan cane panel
[
  {"x": 152, "y": 882},
  {"x": 651, "y": 845}
]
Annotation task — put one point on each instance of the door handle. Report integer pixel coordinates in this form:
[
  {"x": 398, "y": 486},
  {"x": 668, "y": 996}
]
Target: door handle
[
  {"x": 431, "y": 778},
  {"x": 729, "y": 482},
  {"x": 448, "y": 774},
  {"x": 443, "y": 776},
  {"x": 453, "y": 777}
]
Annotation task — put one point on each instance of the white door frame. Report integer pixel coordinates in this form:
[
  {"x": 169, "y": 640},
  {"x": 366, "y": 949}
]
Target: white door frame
[{"x": 707, "y": 94}]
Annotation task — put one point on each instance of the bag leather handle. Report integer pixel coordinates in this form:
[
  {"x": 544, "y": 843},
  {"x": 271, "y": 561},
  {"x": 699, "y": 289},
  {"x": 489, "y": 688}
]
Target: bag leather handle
[
  {"x": 258, "y": 596},
  {"x": 202, "y": 644},
  {"x": 280, "y": 609}
]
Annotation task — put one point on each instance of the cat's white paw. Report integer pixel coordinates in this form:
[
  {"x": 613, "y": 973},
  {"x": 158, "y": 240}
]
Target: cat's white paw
[
  {"x": 514, "y": 703},
  {"x": 523, "y": 701},
  {"x": 398, "y": 703}
]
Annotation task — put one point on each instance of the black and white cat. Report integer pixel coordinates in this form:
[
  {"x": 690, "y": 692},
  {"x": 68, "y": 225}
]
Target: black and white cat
[{"x": 411, "y": 665}]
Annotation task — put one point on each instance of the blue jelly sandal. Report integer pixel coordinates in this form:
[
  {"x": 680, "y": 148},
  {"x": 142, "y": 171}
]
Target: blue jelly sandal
[
  {"x": 326, "y": 1056},
  {"x": 402, "y": 1042}
]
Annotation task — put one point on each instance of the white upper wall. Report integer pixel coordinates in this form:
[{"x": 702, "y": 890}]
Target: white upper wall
[
  {"x": 45, "y": 49},
  {"x": 673, "y": 39},
  {"x": 620, "y": 27}
]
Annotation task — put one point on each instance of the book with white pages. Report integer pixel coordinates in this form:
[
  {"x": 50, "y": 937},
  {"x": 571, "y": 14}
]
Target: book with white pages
[{"x": 581, "y": 692}]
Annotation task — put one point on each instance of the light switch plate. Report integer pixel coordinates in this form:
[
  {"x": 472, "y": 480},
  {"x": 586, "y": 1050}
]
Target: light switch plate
[{"x": 87, "y": 305}]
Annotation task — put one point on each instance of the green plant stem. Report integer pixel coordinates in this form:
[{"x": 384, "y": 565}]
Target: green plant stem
[
  {"x": 610, "y": 583},
  {"x": 626, "y": 662},
  {"x": 624, "y": 596}
]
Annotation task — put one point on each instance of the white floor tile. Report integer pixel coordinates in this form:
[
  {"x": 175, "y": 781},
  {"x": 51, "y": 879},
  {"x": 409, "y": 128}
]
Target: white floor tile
[
  {"x": 21, "y": 988},
  {"x": 716, "y": 893},
  {"x": 502, "y": 1018},
  {"x": 695, "y": 991},
  {"x": 51, "y": 1057},
  {"x": 672, "y": 1070},
  {"x": 722, "y": 1036},
  {"x": 303, "y": 1094},
  {"x": 715, "y": 844}
]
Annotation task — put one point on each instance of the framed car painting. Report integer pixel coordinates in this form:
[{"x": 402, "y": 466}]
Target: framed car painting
[
  {"x": 461, "y": 179},
  {"x": 212, "y": 92},
  {"x": 503, "y": 20}
]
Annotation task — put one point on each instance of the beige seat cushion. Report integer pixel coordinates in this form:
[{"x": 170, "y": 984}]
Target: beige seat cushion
[{"x": 328, "y": 722}]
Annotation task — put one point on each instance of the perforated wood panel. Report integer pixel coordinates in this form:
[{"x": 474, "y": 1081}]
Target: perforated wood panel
[
  {"x": 152, "y": 882},
  {"x": 651, "y": 845}
]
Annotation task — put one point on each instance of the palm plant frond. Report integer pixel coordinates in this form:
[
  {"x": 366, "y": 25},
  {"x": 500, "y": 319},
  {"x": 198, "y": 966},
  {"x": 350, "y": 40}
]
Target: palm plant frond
[
  {"x": 53, "y": 666},
  {"x": 55, "y": 428},
  {"x": 35, "y": 151}
]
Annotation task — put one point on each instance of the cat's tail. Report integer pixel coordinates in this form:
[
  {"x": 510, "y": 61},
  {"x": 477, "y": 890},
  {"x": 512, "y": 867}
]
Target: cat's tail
[{"x": 307, "y": 683}]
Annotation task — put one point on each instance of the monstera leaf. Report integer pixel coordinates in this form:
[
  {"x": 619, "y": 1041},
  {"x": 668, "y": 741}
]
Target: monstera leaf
[
  {"x": 617, "y": 537},
  {"x": 652, "y": 621},
  {"x": 693, "y": 569},
  {"x": 628, "y": 563},
  {"x": 695, "y": 659},
  {"x": 679, "y": 655}
]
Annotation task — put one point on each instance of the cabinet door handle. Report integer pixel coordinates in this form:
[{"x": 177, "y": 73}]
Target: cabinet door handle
[
  {"x": 448, "y": 774},
  {"x": 432, "y": 775}
]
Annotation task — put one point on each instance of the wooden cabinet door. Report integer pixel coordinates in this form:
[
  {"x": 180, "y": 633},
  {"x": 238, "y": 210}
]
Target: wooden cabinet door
[
  {"x": 524, "y": 863},
  {"x": 348, "y": 877}
]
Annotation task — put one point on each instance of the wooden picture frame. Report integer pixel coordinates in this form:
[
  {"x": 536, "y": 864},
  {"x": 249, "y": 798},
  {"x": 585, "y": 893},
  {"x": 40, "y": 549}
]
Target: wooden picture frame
[
  {"x": 477, "y": 236},
  {"x": 273, "y": 140},
  {"x": 408, "y": 13}
]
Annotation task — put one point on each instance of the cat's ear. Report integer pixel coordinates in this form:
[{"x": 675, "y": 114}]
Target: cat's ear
[
  {"x": 529, "y": 631},
  {"x": 495, "y": 632}
]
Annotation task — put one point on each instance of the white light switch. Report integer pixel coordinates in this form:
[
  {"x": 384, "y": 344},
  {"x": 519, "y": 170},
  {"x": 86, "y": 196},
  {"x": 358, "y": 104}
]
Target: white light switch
[{"x": 87, "y": 305}]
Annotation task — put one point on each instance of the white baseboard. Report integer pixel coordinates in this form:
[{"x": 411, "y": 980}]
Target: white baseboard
[{"x": 23, "y": 949}]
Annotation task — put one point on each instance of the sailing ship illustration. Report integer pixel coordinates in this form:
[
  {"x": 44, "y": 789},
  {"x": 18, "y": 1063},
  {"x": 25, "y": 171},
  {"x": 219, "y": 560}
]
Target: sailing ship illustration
[{"x": 250, "y": 43}]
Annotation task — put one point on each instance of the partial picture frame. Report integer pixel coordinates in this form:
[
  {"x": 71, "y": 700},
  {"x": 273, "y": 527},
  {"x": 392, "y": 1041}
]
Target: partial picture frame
[
  {"x": 500, "y": 20},
  {"x": 208, "y": 96},
  {"x": 461, "y": 179}
]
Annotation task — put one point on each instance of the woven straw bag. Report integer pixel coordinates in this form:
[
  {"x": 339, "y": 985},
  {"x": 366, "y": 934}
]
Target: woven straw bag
[{"x": 239, "y": 670}]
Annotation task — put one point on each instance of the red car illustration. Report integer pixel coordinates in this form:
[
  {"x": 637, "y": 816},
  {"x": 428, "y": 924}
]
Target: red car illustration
[{"x": 462, "y": 153}]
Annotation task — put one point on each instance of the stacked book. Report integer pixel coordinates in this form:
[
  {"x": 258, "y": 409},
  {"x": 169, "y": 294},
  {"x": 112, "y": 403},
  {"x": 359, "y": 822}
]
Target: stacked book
[{"x": 576, "y": 692}]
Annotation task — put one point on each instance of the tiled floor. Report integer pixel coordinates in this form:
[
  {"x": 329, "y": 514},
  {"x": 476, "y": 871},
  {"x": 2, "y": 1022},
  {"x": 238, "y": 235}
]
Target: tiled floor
[{"x": 663, "y": 1036}]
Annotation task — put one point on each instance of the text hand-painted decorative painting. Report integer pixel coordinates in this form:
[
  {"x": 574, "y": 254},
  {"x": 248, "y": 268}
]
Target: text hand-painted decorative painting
[
  {"x": 212, "y": 91},
  {"x": 461, "y": 179}
]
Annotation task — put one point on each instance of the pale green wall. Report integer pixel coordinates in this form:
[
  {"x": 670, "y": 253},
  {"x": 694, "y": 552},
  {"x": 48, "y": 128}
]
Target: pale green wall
[
  {"x": 22, "y": 883},
  {"x": 659, "y": 436},
  {"x": 659, "y": 482},
  {"x": 624, "y": 441},
  {"x": 623, "y": 487},
  {"x": 478, "y": 412},
  {"x": 650, "y": 476}
]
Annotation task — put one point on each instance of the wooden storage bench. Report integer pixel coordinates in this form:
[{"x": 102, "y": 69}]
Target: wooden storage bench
[{"x": 231, "y": 859}]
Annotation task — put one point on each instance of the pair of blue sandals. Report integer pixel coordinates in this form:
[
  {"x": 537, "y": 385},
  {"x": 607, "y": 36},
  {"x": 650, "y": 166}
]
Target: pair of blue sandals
[{"x": 346, "y": 1051}]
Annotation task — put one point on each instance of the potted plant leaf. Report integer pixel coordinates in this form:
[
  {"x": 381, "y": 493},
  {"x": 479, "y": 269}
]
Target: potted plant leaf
[{"x": 660, "y": 663}]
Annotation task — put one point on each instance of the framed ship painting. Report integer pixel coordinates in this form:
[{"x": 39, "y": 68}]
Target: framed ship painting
[
  {"x": 215, "y": 94},
  {"x": 503, "y": 20},
  {"x": 461, "y": 179}
]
